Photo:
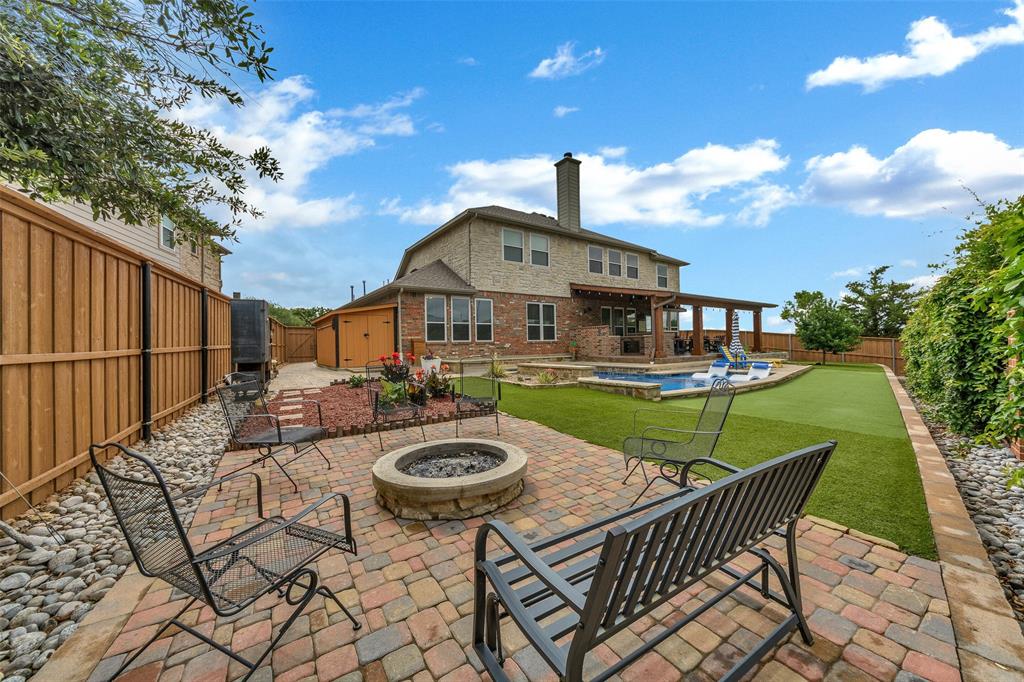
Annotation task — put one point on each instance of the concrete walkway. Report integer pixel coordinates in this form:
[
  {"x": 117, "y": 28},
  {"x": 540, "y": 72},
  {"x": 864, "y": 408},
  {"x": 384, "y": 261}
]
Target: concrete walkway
[{"x": 305, "y": 375}]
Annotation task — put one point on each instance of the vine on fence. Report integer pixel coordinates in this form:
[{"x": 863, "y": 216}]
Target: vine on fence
[{"x": 960, "y": 339}]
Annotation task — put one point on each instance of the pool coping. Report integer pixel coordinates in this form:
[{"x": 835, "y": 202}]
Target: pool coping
[
  {"x": 989, "y": 641},
  {"x": 772, "y": 380}
]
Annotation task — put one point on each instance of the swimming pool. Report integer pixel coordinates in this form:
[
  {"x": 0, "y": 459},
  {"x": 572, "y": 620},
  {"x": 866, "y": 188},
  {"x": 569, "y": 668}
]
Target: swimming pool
[{"x": 669, "y": 382}]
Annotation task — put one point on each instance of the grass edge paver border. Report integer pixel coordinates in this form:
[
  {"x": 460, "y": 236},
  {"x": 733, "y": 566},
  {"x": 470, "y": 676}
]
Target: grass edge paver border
[{"x": 987, "y": 632}]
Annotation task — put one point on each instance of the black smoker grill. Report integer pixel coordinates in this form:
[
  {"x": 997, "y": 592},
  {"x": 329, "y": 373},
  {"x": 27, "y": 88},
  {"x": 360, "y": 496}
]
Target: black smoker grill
[{"x": 250, "y": 336}]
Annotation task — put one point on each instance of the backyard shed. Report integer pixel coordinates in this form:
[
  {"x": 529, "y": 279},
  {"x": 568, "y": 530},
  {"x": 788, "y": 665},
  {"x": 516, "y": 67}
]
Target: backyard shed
[{"x": 355, "y": 337}]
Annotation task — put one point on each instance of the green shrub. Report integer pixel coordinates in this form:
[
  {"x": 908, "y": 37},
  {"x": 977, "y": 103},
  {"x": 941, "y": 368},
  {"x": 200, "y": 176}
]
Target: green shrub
[
  {"x": 356, "y": 381},
  {"x": 956, "y": 344},
  {"x": 545, "y": 377}
]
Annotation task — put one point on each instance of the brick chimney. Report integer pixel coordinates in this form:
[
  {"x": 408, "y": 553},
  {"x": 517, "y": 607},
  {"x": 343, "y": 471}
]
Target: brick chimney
[{"x": 568, "y": 174}]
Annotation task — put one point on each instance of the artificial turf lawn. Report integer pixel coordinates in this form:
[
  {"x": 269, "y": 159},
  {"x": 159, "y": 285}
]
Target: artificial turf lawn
[{"x": 871, "y": 483}]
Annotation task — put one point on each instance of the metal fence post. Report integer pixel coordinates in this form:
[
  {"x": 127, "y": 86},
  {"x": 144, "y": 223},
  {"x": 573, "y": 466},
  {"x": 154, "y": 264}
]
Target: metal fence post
[
  {"x": 147, "y": 353},
  {"x": 204, "y": 343}
]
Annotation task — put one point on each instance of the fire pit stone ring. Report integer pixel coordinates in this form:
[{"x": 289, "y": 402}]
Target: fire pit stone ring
[{"x": 457, "y": 497}]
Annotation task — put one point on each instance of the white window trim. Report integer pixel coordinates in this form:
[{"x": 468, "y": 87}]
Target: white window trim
[
  {"x": 554, "y": 322},
  {"x": 591, "y": 260},
  {"x": 426, "y": 323},
  {"x": 451, "y": 323},
  {"x": 529, "y": 240},
  {"x": 522, "y": 237},
  {"x": 160, "y": 236},
  {"x": 477, "y": 323},
  {"x": 657, "y": 275},
  {"x": 622, "y": 266},
  {"x": 625, "y": 266}
]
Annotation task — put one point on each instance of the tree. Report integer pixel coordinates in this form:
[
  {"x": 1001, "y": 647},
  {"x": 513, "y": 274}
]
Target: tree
[
  {"x": 880, "y": 308},
  {"x": 794, "y": 310},
  {"x": 307, "y": 315},
  {"x": 822, "y": 324},
  {"x": 296, "y": 317},
  {"x": 89, "y": 91}
]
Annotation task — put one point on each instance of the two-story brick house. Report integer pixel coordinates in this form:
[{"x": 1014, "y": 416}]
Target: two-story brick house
[{"x": 498, "y": 280}]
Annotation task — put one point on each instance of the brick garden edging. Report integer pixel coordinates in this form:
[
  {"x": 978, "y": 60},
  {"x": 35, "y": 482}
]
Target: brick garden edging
[{"x": 989, "y": 641}]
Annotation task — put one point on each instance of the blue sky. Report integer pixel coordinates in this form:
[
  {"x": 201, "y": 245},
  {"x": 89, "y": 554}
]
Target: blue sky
[{"x": 776, "y": 147}]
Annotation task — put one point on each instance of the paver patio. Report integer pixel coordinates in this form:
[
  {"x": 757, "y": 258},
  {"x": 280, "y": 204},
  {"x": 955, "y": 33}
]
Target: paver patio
[{"x": 876, "y": 613}]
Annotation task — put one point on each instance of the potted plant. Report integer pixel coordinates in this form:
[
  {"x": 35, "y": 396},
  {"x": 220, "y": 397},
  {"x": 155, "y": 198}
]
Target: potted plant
[{"x": 430, "y": 362}]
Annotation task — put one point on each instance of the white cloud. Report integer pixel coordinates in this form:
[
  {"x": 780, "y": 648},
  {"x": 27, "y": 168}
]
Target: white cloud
[
  {"x": 923, "y": 281},
  {"x": 849, "y": 272},
  {"x": 565, "y": 62},
  {"x": 933, "y": 50},
  {"x": 777, "y": 324},
  {"x": 667, "y": 193},
  {"x": 304, "y": 140},
  {"x": 613, "y": 152},
  {"x": 762, "y": 202},
  {"x": 908, "y": 263},
  {"x": 929, "y": 174},
  {"x": 468, "y": 61},
  {"x": 561, "y": 110}
]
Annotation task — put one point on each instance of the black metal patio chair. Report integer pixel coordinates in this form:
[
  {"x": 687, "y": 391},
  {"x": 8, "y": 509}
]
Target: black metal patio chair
[
  {"x": 271, "y": 554},
  {"x": 670, "y": 447},
  {"x": 477, "y": 397},
  {"x": 390, "y": 413},
  {"x": 251, "y": 425},
  {"x": 591, "y": 582}
]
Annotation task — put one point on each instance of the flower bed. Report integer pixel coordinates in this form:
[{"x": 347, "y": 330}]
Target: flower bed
[{"x": 345, "y": 409}]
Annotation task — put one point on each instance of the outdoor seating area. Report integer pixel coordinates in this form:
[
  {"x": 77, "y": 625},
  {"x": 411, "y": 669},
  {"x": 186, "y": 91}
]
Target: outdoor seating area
[{"x": 411, "y": 583}]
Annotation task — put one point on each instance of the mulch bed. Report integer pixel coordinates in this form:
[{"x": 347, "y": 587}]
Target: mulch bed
[{"x": 347, "y": 410}]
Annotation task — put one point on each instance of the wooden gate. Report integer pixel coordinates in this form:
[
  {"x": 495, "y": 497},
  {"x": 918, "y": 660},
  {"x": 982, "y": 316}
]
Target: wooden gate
[
  {"x": 361, "y": 336},
  {"x": 299, "y": 344}
]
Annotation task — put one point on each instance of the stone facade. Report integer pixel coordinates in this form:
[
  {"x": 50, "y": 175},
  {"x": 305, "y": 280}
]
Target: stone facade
[
  {"x": 202, "y": 266},
  {"x": 473, "y": 249}
]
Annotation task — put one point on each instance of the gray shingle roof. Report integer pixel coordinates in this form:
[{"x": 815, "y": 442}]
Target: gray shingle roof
[{"x": 435, "y": 276}]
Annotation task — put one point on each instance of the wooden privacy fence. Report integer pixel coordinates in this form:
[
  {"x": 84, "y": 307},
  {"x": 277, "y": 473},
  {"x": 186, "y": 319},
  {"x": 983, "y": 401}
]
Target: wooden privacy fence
[
  {"x": 881, "y": 350},
  {"x": 291, "y": 344},
  {"x": 96, "y": 344}
]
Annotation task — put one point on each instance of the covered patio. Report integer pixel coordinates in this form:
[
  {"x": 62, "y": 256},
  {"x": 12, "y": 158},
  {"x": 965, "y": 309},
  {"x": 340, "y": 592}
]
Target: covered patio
[{"x": 635, "y": 319}]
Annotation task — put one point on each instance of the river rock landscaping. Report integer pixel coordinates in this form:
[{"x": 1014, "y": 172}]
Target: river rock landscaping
[
  {"x": 982, "y": 473},
  {"x": 46, "y": 587}
]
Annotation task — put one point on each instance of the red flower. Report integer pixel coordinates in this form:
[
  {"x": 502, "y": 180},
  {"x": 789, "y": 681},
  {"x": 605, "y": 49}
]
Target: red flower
[
  {"x": 395, "y": 356},
  {"x": 411, "y": 357},
  {"x": 382, "y": 358}
]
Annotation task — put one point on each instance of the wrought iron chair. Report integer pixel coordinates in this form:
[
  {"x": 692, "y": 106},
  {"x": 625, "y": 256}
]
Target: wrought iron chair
[
  {"x": 479, "y": 397},
  {"x": 571, "y": 592},
  {"x": 671, "y": 448},
  {"x": 401, "y": 412},
  {"x": 251, "y": 425},
  {"x": 272, "y": 554}
]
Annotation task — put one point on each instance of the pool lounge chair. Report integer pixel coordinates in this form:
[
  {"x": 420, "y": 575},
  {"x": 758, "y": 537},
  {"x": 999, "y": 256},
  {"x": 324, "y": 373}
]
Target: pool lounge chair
[
  {"x": 758, "y": 370},
  {"x": 736, "y": 362},
  {"x": 719, "y": 369}
]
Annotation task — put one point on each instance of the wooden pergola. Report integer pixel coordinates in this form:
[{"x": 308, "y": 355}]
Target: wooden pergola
[{"x": 674, "y": 300}]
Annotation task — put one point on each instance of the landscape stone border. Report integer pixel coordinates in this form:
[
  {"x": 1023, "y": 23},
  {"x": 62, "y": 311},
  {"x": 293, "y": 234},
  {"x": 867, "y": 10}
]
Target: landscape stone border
[{"x": 989, "y": 641}]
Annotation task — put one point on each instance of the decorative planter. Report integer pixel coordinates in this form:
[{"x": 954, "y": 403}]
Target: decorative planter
[{"x": 430, "y": 365}]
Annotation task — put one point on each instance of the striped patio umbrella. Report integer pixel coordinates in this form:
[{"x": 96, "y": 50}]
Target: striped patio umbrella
[{"x": 735, "y": 345}]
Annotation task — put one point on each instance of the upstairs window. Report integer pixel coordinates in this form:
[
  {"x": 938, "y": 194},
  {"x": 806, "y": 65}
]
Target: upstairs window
[
  {"x": 512, "y": 245},
  {"x": 614, "y": 263},
  {"x": 539, "y": 246},
  {"x": 435, "y": 314},
  {"x": 662, "y": 276},
  {"x": 484, "y": 319},
  {"x": 460, "y": 318},
  {"x": 540, "y": 321},
  {"x": 632, "y": 266},
  {"x": 166, "y": 233},
  {"x": 595, "y": 258}
]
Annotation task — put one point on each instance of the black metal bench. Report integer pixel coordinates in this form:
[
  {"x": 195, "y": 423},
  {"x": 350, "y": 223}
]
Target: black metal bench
[{"x": 573, "y": 591}]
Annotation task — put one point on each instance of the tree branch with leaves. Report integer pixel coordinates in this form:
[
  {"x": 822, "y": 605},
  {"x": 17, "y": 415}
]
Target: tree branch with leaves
[{"x": 90, "y": 96}]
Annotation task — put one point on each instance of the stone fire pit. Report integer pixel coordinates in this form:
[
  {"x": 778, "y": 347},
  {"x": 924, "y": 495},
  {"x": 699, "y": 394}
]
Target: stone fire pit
[{"x": 454, "y": 478}]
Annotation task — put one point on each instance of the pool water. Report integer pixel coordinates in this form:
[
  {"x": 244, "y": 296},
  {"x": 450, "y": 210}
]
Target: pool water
[{"x": 669, "y": 382}]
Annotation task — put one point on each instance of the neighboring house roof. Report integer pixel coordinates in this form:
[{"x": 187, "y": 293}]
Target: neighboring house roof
[
  {"x": 537, "y": 221},
  {"x": 433, "y": 277}
]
